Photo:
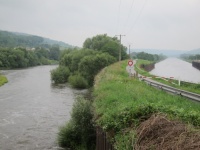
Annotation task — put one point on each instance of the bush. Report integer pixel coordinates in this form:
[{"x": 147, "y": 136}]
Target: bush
[
  {"x": 60, "y": 74},
  {"x": 79, "y": 132},
  {"x": 77, "y": 81},
  {"x": 89, "y": 66},
  {"x": 68, "y": 136}
]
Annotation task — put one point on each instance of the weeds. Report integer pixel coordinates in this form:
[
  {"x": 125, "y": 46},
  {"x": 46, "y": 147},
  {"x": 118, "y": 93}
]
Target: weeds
[{"x": 3, "y": 80}]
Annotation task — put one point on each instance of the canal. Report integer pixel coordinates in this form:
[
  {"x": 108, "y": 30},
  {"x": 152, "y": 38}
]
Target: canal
[{"x": 179, "y": 69}]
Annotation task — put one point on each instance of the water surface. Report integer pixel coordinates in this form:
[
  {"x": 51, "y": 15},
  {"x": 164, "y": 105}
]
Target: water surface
[{"x": 32, "y": 110}]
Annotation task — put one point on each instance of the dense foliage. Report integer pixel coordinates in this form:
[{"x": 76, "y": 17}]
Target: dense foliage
[
  {"x": 77, "y": 81},
  {"x": 60, "y": 74},
  {"x": 79, "y": 132},
  {"x": 21, "y": 57},
  {"x": 85, "y": 63},
  {"x": 106, "y": 44},
  {"x": 122, "y": 103}
]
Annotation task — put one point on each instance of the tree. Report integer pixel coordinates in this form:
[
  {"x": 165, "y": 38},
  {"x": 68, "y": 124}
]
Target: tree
[
  {"x": 54, "y": 52},
  {"x": 107, "y": 44},
  {"x": 91, "y": 65}
]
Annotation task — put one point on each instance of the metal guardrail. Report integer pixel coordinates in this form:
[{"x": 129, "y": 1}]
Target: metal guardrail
[{"x": 190, "y": 95}]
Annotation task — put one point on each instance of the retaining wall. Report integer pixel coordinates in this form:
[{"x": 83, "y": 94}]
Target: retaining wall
[
  {"x": 148, "y": 67},
  {"x": 196, "y": 64}
]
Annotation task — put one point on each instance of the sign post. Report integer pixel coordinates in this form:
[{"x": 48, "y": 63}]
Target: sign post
[
  {"x": 130, "y": 68},
  {"x": 130, "y": 63}
]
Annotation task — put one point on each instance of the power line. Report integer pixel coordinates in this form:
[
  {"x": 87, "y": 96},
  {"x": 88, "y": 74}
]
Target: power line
[
  {"x": 136, "y": 20},
  {"x": 129, "y": 14}
]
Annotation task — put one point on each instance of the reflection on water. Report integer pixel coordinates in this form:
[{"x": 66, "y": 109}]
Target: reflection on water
[
  {"x": 32, "y": 110},
  {"x": 173, "y": 67}
]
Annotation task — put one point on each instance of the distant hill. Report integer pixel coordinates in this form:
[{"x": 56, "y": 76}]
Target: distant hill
[
  {"x": 169, "y": 53},
  {"x": 15, "y": 39},
  {"x": 194, "y": 52}
]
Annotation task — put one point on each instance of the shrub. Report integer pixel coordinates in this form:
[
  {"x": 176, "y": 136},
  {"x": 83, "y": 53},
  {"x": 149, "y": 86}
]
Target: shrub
[
  {"x": 60, "y": 74},
  {"x": 89, "y": 66},
  {"x": 77, "y": 81},
  {"x": 68, "y": 136},
  {"x": 79, "y": 132}
]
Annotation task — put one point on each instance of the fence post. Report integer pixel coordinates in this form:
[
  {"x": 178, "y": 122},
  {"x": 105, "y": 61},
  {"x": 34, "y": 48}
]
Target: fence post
[{"x": 101, "y": 140}]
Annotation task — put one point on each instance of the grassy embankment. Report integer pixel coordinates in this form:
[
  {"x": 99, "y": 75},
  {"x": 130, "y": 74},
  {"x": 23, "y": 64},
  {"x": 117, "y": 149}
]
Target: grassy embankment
[
  {"x": 122, "y": 103},
  {"x": 192, "y": 87},
  {"x": 3, "y": 80}
]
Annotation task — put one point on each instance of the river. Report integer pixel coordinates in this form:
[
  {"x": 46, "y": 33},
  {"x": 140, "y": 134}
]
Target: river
[
  {"x": 32, "y": 109},
  {"x": 179, "y": 69}
]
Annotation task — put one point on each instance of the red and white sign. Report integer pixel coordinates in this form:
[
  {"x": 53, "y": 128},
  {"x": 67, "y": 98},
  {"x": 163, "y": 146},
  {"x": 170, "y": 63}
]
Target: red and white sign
[{"x": 130, "y": 63}]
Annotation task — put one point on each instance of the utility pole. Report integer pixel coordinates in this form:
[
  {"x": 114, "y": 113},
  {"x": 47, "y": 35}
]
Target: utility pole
[
  {"x": 120, "y": 37},
  {"x": 129, "y": 51}
]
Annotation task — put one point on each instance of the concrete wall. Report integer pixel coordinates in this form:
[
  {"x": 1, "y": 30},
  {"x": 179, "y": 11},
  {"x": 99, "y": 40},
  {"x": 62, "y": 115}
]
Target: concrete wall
[
  {"x": 196, "y": 64},
  {"x": 148, "y": 67}
]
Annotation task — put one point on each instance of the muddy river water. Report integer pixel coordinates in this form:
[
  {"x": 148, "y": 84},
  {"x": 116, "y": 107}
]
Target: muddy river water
[{"x": 32, "y": 109}]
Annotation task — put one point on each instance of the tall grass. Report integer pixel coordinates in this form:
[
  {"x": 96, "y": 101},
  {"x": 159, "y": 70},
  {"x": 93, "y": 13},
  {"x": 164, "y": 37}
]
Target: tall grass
[
  {"x": 122, "y": 102},
  {"x": 3, "y": 80}
]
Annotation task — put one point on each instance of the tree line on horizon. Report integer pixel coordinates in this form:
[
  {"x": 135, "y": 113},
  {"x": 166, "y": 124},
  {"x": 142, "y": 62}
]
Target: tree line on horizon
[
  {"x": 190, "y": 57},
  {"x": 147, "y": 56}
]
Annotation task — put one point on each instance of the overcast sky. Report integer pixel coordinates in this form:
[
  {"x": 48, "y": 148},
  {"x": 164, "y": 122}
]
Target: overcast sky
[{"x": 153, "y": 24}]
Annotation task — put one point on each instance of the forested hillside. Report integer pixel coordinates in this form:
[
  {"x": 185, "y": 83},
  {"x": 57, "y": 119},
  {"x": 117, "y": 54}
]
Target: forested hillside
[
  {"x": 21, "y": 57},
  {"x": 13, "y": 39}
]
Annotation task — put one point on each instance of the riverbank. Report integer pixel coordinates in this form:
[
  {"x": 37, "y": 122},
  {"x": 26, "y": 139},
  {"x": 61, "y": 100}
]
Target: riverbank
[
  {"x": 128, "y": 111},
  {"x": 3, "y": 80}
]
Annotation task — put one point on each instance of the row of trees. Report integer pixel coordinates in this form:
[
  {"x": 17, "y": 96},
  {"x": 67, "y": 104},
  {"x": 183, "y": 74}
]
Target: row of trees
[
  {"x": 20, "y": 57},
  {"x": 150, "y": 57},
  {"x": 190, "y": 58},
  {"x": 81, "y": 65}
]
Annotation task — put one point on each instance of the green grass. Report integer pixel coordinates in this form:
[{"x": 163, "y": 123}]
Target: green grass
[
  {"x": 3, "y": 80},
  {"x": 141, "y": 70},
  {"x": 122, "y": 103}
]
